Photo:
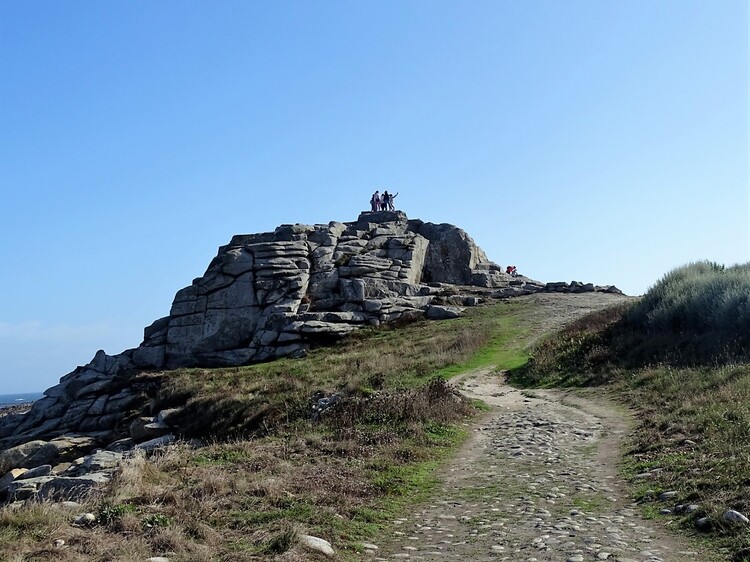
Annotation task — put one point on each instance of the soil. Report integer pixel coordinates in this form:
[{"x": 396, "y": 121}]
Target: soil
[{"x": 539, "y": 479}]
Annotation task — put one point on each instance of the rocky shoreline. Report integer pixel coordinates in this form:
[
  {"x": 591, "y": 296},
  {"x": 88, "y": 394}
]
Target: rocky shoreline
[{"x": 16, "y": 408}]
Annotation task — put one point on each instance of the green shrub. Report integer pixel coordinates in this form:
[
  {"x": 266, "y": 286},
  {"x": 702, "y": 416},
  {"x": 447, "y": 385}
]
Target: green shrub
[{"x": 697, "y": 313}]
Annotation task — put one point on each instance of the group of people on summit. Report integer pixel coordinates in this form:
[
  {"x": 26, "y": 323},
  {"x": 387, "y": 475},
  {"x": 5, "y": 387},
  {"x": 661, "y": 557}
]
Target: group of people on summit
[{"x": 382, "y": 202}]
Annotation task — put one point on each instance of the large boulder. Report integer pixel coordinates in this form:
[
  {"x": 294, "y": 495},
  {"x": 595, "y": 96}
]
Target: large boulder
[{"x": 37, "y": 452}]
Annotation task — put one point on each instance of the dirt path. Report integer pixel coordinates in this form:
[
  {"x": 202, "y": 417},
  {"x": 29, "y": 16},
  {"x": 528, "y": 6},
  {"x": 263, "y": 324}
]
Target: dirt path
[{"x": 537, "y": 481}]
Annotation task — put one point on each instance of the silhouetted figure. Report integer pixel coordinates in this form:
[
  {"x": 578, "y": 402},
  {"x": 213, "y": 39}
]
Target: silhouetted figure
[{"x": 375, "y": 201}]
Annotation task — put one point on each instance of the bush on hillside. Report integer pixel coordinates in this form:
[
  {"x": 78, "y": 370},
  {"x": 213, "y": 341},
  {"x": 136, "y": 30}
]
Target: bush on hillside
[
  {"x": 695, "y": 314},
  {"x": 698, "y": 314}
]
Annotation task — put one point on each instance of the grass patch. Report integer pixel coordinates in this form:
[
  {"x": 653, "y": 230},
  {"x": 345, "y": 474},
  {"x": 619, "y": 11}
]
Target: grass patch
[
  {"x": 592, "y": 504},
  {"x": 505, "y": 346}
]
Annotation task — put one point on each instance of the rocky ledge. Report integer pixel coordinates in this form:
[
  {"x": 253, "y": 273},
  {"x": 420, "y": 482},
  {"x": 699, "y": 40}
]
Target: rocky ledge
[{"x": 264, "y": 296}]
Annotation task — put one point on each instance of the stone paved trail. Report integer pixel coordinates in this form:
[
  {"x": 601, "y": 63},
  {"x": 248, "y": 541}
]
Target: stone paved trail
[{"x": 538, "y": 481}]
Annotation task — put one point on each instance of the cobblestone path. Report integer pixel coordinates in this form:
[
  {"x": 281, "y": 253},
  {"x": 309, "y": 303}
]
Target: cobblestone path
[{"x": 538, "y": 481}]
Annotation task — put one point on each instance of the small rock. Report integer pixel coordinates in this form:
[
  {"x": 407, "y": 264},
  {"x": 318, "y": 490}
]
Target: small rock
[
  {"x": 317, "y": 544},
  {"x": 158, "y": 559},
  {"x": 164, "y": 415},
  {"x": 437, "y": 312},
  {"x": 667, "y": 495},
  {"x": 665, "y": 512},
  {"x": 369, "y": 546},
  {"x": 85, "y": 519},
  {"x": 43, "y": 470},
  {"x": 603, "y": 555},
  {"x": 74, "y": 506},
  {"x": 733, "y": 516},
  {"x": 58, "y": 543},
  {"x": 155, "y": 443},
  {"x": 703, "y": 524},
  {"x": 10, "y": 476}
]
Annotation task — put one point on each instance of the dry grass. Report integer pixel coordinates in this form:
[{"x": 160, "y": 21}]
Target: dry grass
[
  {"x": 250, "y": 401},
  {"x": 247, "y": 499},
  {"x": 267, "y": 471}
]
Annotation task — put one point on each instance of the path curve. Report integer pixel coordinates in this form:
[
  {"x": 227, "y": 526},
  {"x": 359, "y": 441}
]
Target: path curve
[{"x": 537, "y": 481}]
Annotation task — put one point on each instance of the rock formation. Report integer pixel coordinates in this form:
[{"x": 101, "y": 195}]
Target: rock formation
[
  {"x": 269, "y": 295},
  {"x": 266, "y": 296}
]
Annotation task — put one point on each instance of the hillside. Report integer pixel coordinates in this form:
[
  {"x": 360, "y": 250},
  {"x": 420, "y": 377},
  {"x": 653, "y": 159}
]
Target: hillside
[
  {"x": 316, "y": 352},
  {"x": 361, "y": 450},
  {"x": 333, "y": 445}
]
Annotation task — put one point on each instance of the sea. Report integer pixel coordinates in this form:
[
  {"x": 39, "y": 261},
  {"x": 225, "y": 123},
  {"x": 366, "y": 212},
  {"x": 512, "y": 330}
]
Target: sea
[{"x": 19, "y": 398}]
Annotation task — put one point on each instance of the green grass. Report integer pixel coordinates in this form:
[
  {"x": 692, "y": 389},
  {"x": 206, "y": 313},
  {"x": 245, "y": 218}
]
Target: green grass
[
  {"x": 591, "y": 504},
  {"x": 506, "y": 346}
]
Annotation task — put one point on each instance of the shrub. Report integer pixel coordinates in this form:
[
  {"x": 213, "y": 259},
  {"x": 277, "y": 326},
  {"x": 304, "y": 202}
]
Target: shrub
[{"x": 697, "y": 313}]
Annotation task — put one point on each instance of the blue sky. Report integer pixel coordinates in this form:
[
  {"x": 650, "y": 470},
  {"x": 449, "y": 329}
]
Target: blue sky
[{"x": 604, "y": 142}]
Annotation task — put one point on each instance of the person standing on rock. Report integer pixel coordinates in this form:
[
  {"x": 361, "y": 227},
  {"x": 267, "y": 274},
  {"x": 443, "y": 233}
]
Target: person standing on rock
[
  {"x": 375, "y": 201},
  {"x": 384, "y": 202},
  {"x": 390, "y": 202}
]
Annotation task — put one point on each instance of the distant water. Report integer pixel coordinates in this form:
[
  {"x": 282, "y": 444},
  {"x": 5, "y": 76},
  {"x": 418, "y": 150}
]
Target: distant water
[{"x": 20, "y": 398}]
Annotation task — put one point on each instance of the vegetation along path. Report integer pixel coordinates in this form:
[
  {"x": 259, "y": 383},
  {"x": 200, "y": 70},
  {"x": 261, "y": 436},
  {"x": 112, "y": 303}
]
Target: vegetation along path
[{"x": 537, "y": 481}]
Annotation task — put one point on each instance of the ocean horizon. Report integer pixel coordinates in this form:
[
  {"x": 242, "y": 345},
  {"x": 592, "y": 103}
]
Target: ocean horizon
[{"x": 19, "y": 398}]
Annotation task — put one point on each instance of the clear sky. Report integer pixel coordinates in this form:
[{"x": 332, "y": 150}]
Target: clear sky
[{"x": 601, "y": 141}]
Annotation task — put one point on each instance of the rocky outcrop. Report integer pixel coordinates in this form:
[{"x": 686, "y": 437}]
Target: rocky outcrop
[
  {"x": 266, "y": 296},
  {"x": 273, "y": 294}
]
